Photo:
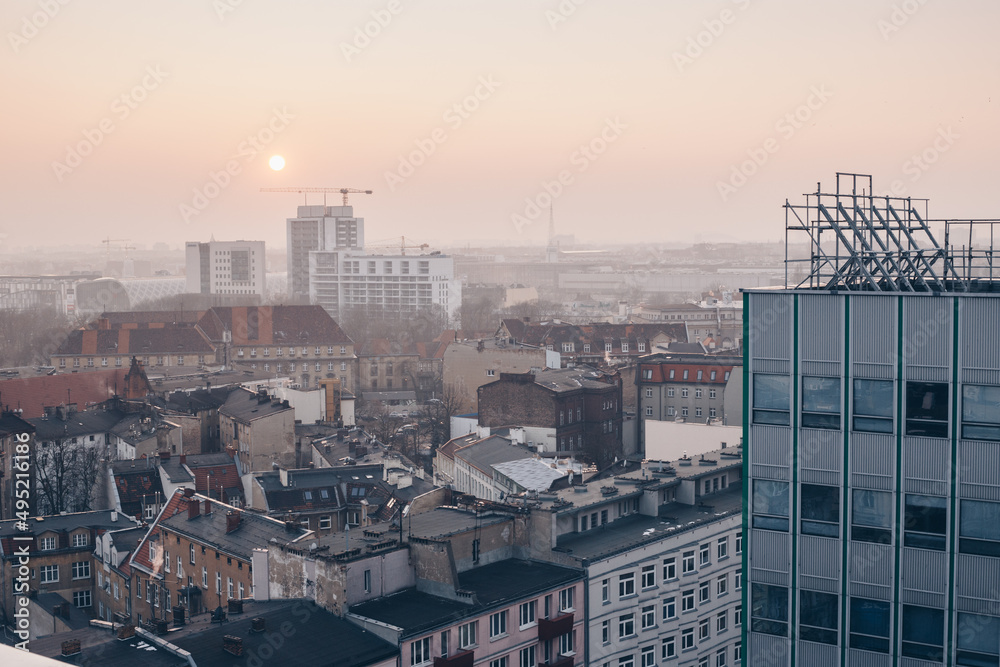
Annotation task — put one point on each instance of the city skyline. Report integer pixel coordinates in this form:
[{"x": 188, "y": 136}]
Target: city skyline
[{"x": 465, "y": 123}]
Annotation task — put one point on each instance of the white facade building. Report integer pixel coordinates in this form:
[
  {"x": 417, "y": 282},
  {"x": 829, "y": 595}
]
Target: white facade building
[
  {"x": 319, "y": 228},
  {"x": 225, "y": 267}
]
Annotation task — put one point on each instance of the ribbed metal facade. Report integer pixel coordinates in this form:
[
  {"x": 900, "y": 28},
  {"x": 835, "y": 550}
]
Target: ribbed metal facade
[{"x": 916, "y": 342}]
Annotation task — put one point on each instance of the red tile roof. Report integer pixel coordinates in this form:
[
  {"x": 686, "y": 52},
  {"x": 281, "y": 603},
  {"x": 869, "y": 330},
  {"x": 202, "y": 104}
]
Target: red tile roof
[
  {"x": 274, "y": 325},
  {"x": 33, "y": 394},
  {"x": 140, "y": 342}
]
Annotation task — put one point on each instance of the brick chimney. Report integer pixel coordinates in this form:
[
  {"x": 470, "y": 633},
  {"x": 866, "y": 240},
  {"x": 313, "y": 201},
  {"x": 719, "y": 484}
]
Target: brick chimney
[
  {"x": 188, "y": 493},
  {"x": 208, "y": 506},
  {"x": 164, "y": 456},
  {"x": 184, "y": 459},
  {"x": 193, "y": 509},
  {"x": 232, "y": 521}
]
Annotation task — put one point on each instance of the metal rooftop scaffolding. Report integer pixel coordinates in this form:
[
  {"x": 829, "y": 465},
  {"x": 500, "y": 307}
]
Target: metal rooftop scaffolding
[{"x": 862, "y": 242}]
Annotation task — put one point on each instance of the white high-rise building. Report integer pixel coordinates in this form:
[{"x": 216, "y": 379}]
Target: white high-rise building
[
  {"x": 329, "y": 265},
  {"x": 225, "y": 267}
]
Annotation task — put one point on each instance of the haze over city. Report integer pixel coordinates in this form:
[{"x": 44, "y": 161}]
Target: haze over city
[{"x": 456, "y": 115}]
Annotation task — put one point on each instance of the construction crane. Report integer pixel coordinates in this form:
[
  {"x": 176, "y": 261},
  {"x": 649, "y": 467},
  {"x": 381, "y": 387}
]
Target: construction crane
[
  {"x": 108, "y": 241},
  {"x": 324, "y": 191},
  {"x": 401, "y": 244}
]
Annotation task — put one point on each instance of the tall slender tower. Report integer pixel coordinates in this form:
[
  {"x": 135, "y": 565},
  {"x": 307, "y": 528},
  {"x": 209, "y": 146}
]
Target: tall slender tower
[{"x": 552, "y": 249}]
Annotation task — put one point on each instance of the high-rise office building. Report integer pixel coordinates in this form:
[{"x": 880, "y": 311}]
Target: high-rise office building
[{"x": 872, "y": 440}]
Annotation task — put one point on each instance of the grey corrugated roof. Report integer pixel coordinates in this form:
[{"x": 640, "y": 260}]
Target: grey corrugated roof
[
  {"x": 484, "y": 454},
  {"x": 245, "y": 406},
  {"x": 60, "y": 522},
  {"x": 77, "y": 424},
  {"x": 533, "y": 474}
]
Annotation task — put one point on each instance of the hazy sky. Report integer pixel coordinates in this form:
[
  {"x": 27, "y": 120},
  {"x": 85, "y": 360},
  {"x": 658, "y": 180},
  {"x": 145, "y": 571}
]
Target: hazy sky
[{"x": 117, "y": 112}]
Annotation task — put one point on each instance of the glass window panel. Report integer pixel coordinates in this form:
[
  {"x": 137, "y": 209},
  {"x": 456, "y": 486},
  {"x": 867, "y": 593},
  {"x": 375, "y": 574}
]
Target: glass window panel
[
  {"x": 926, "y": 514},
  {"x": 980, "y": 520},
  {"x": 821, "y": 395},
  {"x": 923, "y": 632},
  {"x": 769, "y": 609},
  {"x": 873, "y": 398},
  {"x": 979, "y": 634},
  {"x": 820, "y": 510},
  {"x": 770, "y": 392},
  {"x": 818, "y": 617},
  {"x": 872, "y": 425},
  {"x": 981, "y": 404},
  {"x": 870, "y": 625},
  {"x": 872, "y": 508},
  {"x": 770, "y": 497},
  {"x": 927, "y": 409}
]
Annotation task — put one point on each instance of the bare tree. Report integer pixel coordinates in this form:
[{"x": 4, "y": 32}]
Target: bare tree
[
  {"x": 451, "y": 402},
  {"x": 381, "y": 422},
  {"x": 67, "y": 475},
  {"x": 31, "y": 336}
]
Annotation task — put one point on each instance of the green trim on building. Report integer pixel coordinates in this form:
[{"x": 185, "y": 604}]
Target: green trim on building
[
  {"x": 745, "y": 557},
  {"x": 846, "y": 485},
  {"x": 953, "y": 476},
  {"x": 900, "y": 411},
  {"x": 793, "y": 521}
]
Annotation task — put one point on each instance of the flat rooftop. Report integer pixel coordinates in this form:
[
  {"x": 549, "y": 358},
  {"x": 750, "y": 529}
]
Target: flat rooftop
[
  {"x": 634, "y": 531},
  {"x": 494, "y": 585}
]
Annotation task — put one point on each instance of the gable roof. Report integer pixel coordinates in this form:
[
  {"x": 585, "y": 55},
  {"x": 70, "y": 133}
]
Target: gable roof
[
  {"x": 140, "y": 342},
  {"x": 274, "y": 325},
  {"x": 34, "y": 394}
]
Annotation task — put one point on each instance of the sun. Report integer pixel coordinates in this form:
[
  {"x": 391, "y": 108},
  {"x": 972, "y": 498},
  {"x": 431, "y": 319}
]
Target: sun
[{"x": 277, "y": 162}]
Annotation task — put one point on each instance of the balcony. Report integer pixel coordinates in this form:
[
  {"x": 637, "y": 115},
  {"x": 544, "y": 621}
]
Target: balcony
[
  {"x": 464, "y": 659},
  {"x": 561, "y": 661},
  {"x": 550, "y": 628}
]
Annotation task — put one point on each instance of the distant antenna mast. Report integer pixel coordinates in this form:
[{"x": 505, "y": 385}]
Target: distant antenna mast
[{"x": 552, "y": 225}]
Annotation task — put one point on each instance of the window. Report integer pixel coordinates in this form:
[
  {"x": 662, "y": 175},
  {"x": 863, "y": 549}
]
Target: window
[
  {"x": 648, "y": 576},
  {"x": 467, "y": 635},
  {"x": 81, "y": 569},
  {"x": 81, "y": 599},
  {"x": 685, "y": 375},
  {"x": 567, "y": 643},
  {"x": 627, "y": 661},
  {"x": 605, "y": 590},
  {"x": 873, "y": 406},
  {"x": 527, "y": 613},
  {"x": 669, "y": 569},
  {"x": 820, "y": 402},
  {"x": 687, "y": 600},
  {"x": 980, "y": 412},
  {"x": 670, "y": 392},
  {"x": 770, "y": 399},
  {"x": 738, "y": 580},
  {"x": 704, "y": 555},
  {"x": 641, "y": 345},
  {"x": 46, "y": 543},
  {"x": 420, "y": 651},
  {"x": 739, "y": 543},
  {"x": 606, "y": 632},
  {"x": 498, "y": 624},
  {"x": 649, "y": 392},
  {"x": 325, "y": 523},
  {"x": 192, "y": 554},
  {"x": 703, "y": 629},
  {"x": 704, "y": 592},
  {"x": 737, "y": 649},
  {"x": 204, "y": 577},
  {"x": 368, "y": 581},
  {"x": 926, "y": 522},
  {"x": 687, "y": 562},
  {"x": 566, "y": 600},
  {"x": 712, "y": 392},
  {"x": 721, "y": 621},
  {"x": 820, "y": 510},
  {"x": 713, "y": 413},
  {"x": 607, "y": 347},
  {"x": 923, "y": 633},
  {"x": 738, "y": 611},
  {"x": 586, "y": 348},
  {"x": 624, "y": 346},
  {"x": 499, "y": 662},
  {"x": 626, "y": 625},
  {"x": 490, "y": 372},
  {"x": 527, "y": 657},
  {"x": 626, "y": 584},
  {"x": 720, "y": 658},
  {"x": 769, "y": 609},
  {"x": 770, "y": 505},
  {"x": 722, "y": 548},
  {"x": 669, "y": 609},
  {"x": 871, "y": 516},
  {"x": 927, "y": 409},
  {"x": 684, "y": 391},
  {"x": 218, "y": 582},
  {"x": 869, "y": 624},
  {"x": 721, "y": 584},
  {"x": 687, "y": 639},
  {"x": 668, "y": 648},
  {"x": 49, "y": 573},
  {"x": 229, "y": 588},
  {"x": 977, "y": 639},
  {"x": 979, "y": 528},
  {"x": 818, "y": 617},
  {"x": 649, "y": 410},
  {"x": 647, "y": 619},
  {"x": 81, "y": 539}
]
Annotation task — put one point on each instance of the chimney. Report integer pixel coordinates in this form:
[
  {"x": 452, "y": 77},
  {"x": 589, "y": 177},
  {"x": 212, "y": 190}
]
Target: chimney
[
  {"x": 188, "y": 493},
  {"x": 164, "y": 456},
  {"x": 232, "y": 521},
  {"x": 208, "y": 506},
  {"x": 193, "y": 508},
  {"x": 232, "y": 645},
  {"x": 184, "y": 459}
]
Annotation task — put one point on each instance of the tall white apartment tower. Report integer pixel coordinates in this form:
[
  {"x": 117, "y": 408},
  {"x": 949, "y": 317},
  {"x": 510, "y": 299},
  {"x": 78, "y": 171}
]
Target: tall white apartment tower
[
  {"x": 319, "y": 228},
  {"x": 225, "y": 267},
  {"x": 872, "y": 440}
]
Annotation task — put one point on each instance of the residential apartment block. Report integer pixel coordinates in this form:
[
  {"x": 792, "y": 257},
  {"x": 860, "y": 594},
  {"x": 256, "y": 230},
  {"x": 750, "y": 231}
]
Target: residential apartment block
[
  {"x": 872, "y": 443},
  {"x": 225, "y": 268}
]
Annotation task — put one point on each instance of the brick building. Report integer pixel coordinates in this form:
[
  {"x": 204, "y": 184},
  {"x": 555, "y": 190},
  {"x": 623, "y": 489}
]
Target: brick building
[
  {"x": 17, "y": 437},
  {"x": 197, "y": 554},
  {"x": 582, "y": 404},
  {"x": 261, "y": 430}
]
